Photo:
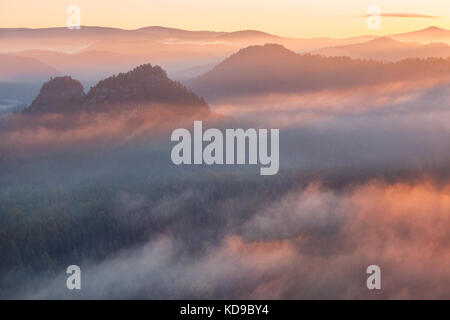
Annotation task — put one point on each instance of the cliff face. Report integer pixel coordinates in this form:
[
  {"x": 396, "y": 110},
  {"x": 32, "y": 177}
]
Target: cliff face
[
  {"x": 60, "y": 94},
  {"x": 142, "y": 87}
]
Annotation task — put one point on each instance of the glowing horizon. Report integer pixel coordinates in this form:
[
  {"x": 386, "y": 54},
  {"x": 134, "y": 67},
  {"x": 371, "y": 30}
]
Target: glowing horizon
[{"x": 285, "y": 17}]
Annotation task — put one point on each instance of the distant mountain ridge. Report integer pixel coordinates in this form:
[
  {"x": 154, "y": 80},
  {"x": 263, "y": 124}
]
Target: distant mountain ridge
[
  {"x": 91, "y": 32},
  {"x": 387, "y": 49},
  {"x": 427, "y": 35},
  {"x": 246, "y": 34},
  {"x": 164, "y": 32},
  {"x": 92, "y": 53}
]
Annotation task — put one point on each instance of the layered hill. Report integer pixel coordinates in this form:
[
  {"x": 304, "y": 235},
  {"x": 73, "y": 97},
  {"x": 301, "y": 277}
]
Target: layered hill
[
  {"x": 387, "y": 49},
  {"x": 427, "y": 35},
  {"x": 91, "y": 53},
  {"x": 19, "y": 68},
  {"x": 175, "y": 49},
  {"x": 94, "y": 65},
  {"x": 272, "y": 68}
]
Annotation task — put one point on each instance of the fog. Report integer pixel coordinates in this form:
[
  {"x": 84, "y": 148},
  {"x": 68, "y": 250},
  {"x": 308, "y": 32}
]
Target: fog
[
  {"x": 314, "y": 242},
  {"x": 364, "y": 179}
]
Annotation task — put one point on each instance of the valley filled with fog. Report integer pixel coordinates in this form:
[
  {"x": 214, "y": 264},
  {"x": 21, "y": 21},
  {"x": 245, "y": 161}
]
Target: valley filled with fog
[{"x": 86, "y": 176}]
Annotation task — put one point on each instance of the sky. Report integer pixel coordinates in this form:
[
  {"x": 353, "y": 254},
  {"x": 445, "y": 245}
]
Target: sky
[{"x": 295, "y": 18}]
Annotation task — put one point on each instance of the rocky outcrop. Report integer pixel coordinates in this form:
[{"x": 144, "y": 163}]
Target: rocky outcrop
[
  {"x": 60, "y": 94},
  {"x": 142, "y": 87}
]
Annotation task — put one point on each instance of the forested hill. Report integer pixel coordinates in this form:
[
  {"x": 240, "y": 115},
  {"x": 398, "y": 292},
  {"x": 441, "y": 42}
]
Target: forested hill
[
  {"x": 272, "y": 68},
  {"x": 143, "y": 86}
]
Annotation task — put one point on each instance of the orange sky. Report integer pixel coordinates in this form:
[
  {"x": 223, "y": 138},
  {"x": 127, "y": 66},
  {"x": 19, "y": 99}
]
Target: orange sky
[{"x": 297, "y": 18}]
